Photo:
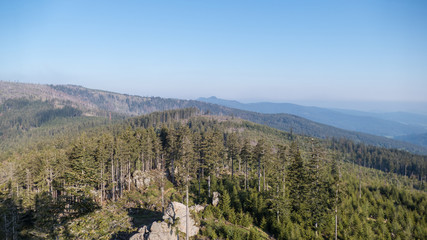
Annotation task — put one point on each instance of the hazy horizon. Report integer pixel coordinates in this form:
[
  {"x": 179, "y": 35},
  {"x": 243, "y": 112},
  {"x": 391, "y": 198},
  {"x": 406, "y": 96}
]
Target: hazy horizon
[
  {"x": 366, "y": 106},
  {"x": 327, "y": 54}
]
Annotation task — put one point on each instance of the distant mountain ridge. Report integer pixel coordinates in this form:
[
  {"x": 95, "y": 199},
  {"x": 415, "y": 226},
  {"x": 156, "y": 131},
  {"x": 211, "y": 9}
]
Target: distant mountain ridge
[
  {"x": 401, "y": 117},
  {"x": 388, "y": 124},
  {"x": 419, "y": 139},
  {"x": 99, "y": 103}
]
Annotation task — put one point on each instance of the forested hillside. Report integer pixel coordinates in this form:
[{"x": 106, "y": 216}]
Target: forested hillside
[
  {"x": 23, "y": 114},
  {"x": 387, "y": 125},
  {"x": 270, "y": 183},
  {"x": 420, "y": 139},
  {"x": 101, "y": 103},
  {"x": 24, "y": 122}
]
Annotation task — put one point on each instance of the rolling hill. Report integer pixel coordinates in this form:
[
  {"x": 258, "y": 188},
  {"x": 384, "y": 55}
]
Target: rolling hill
[
  {"x": 99, "y": 103},
  {"x": 386, "y": 124}
]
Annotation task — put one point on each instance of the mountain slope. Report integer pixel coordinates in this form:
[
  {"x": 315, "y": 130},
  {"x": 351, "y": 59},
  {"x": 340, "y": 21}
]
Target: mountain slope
[
  {"x": 372, "y": 124},
  {"x": 419, "y": 139},
  {"x": 100, "y": 103},
  {"x": 400, "y": 117},
  {"x": 108, "y": 181}
]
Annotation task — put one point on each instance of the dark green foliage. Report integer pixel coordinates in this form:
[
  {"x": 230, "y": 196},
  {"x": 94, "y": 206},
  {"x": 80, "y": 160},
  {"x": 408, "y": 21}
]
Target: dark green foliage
[
  {"x": 387, "y": 160},
  {"x": 292, "y": 187},
  {"x": 98, "y": 224},
  {"x": 82, "y": 164},
  {"x": 20, "y": 115},
  {"x": 298, "y": 186}
]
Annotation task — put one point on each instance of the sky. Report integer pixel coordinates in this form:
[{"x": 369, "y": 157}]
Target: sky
[{"x": 326, "y": 53}]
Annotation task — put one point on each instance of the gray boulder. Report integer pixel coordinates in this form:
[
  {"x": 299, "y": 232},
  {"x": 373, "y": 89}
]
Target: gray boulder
[
  {"x": 158, "y": 231},
  {"x": 215, "y": 198},
  {"x": 197, "y": 208},
  {"x": 141, "y": 235},
  {"x": 162, "y": 231},
  {"x": 141, "y": 179},
  {"x": 137, "y": 236},
  {"x": 177, "y": 212},
  {"x": 143, "y": 229}
]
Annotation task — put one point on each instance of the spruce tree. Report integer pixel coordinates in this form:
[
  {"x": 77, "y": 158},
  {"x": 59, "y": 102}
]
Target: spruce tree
[{"x": 298, "y": 185}]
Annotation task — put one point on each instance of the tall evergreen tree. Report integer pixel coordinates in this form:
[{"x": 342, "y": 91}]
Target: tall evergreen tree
[
  {"x": 260, "y": 151},
  {"x": 298, "y": 185},
  {"x": 83, "y": 167},
  {"x": 246, "y": 154},
  {"x": 233, "y": 147}
]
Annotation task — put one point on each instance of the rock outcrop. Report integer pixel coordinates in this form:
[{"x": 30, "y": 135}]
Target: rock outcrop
[
  {"x": 141, "y": 179},
  {"x": 215, "y": 198},
  {"x": 197, "y": 208},
  {"x": 138, "y": 236},
  {"x": 177, "y": 212},
  {"x": 158, "y": 231},
  {"x": 161, "y": 231},
  {"x": 174, "y": 219}
]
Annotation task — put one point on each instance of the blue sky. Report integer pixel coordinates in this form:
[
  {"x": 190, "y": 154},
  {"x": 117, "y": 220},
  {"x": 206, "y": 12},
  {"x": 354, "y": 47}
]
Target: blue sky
[{"x": 282, "y": 51}]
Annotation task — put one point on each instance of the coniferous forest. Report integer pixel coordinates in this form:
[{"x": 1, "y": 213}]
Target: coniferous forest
[
  {"x": 269, "y": 184},
  {"x": 213, "y": 120}
]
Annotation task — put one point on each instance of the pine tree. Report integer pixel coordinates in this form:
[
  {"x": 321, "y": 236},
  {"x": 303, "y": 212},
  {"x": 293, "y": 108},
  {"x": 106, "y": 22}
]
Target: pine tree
[
  {"x": 233, "y": 147},
  {"x": 315, "y": 187},
  {"x": 298, "y": 185},
  {"x": 335, "y": 193},
  {"x": 185, "y": 155},
  {"x": 170, "y": 145},
  {"x": 225, "y": 204},
  {"x": 247, "y": 159},
  {"x": 260, "y": 151},
  {"x": 83, "y": 168}
]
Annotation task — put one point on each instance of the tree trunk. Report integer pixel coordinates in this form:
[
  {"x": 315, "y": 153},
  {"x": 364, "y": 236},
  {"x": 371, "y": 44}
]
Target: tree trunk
[
  {"x": 199, "y": 175},
  {"x": 232, "y": 167},
  {"x": 163, "y": 198},
  {"x": 336, "y": 205},
  {"x": 173, "y": 171},
  {"x": 50, "y": 181},
  {"x": 360, "y": 183},
  {"x": 112, "y": 180},
  {"x": 13, "y": 225},
  {"x": 28, "y": 179},
  {"x": 202, "y": 169},
  {"x": 264, "y": 177},
  {"x": 336, "y": 222},
  {"x": 209, "y": 186},
  {"x": 186, "y": 215},
  {"x": 199, "y": 186},
  {"x": 102, "y": 182},
  {"x": 277, "y": 194},
  {"x": 120, "y": 183},
  {"x": 284, "y": 182},
  {"x": 129, "y": 175},
  {"x": 259, "y": 174},
  {"x": 246, "y": 174},
  {"x": 405, "y": 169},
  {"x": 5, "y": 225}
]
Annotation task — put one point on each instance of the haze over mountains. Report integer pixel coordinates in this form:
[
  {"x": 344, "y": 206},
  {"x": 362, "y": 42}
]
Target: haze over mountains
[
  {"x": 99, "y": 103},
  {"x": 398, "y": 125}
]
